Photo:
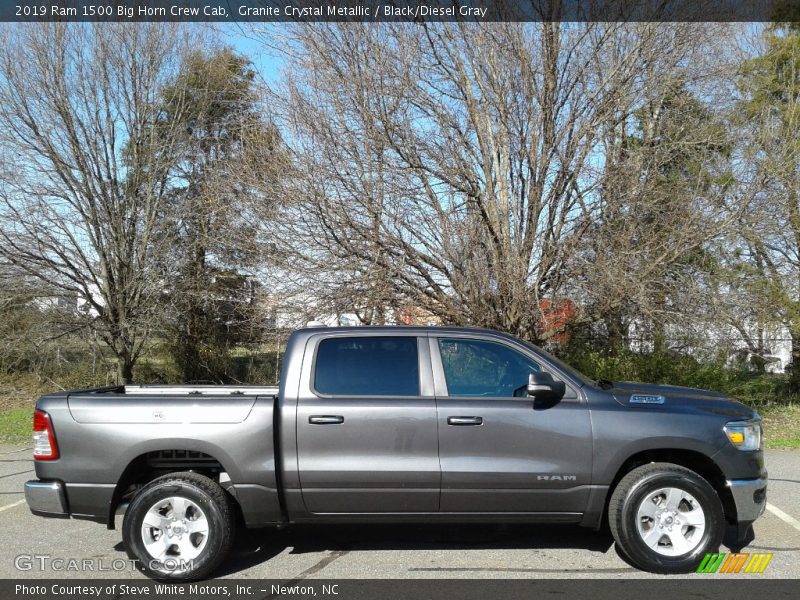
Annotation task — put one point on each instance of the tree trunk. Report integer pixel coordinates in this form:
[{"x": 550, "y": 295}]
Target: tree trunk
[
  {"x": 757, "y": 361},
  {"x": 758, "y": 364},
  {"x": 659, "y": 338},
  {"x": 617, "y": 338},
  {"x": 793, "y": 369},
  {"x": 124, "y": 369}
]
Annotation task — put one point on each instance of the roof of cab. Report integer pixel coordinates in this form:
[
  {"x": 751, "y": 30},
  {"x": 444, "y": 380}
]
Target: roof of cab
[{"x": 402, "y": 328}]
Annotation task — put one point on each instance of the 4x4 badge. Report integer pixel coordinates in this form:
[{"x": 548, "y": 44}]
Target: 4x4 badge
[{"x": 647, "y": 399}]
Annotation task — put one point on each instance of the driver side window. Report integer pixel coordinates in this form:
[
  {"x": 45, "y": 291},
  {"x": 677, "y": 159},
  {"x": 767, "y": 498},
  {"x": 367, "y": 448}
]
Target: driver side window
[{"x": 483, "y": 368}]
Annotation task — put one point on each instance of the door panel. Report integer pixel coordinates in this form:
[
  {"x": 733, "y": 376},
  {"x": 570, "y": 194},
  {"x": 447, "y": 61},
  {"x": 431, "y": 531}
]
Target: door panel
[
  {"x": 368, "y": 453},
  {"x": 381, "y": 458},
  {"x": 522, "y": 456},
  {"x": 499, "y": 465}
]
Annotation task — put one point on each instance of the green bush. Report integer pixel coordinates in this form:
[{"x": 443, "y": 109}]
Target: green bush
[
  {"x": 156, "y": 370},
  {"x": 240, "y": 365},
  {"x": 261, "y": 368},
  {"x": 678, "y": 369}
]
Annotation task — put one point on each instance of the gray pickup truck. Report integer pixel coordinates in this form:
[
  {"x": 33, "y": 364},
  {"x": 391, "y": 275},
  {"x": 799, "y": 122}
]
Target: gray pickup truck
[{"x": 399, "y": 424}]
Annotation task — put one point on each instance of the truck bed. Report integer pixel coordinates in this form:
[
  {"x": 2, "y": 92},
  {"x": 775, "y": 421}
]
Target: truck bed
[{"x": 106, "y": 436}]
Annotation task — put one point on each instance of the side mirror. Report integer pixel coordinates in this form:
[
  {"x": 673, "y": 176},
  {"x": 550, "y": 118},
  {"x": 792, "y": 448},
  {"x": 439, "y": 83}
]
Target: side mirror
[{"x": 542, "y": 386}]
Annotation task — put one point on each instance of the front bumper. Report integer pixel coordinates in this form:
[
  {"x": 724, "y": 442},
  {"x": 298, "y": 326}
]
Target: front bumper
[
  {"x": 750, "y": 497},
  {"x": 46, "y": 498}
]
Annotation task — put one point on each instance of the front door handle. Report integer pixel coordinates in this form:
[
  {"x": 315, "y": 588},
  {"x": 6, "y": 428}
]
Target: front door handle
[
  {"x": 465, "y": 420},
  {"x": 325, "y": 419}
]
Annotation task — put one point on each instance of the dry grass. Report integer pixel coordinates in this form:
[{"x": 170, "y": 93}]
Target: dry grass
[
  {"x": 22, "y": 390},
  {"x": 781, "y": 426},
  {"x": 18, "y": 393}
]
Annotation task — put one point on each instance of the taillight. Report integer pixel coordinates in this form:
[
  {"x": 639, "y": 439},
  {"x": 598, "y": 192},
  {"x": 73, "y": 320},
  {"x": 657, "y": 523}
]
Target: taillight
[{"x": 44, "y": 440}]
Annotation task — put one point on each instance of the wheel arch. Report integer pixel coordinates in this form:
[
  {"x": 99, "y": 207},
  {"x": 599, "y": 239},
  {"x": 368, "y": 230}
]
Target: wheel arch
[
  {"x": 694, "y": 460},
  {"x": 155, "y": 462}
]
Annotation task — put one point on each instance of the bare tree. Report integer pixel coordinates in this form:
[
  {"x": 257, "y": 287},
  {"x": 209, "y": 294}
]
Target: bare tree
[
  {"x": 457, "y": 167},
  {"x": 83, "y": 170}
]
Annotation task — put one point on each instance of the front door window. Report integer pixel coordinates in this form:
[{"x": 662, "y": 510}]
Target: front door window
[{"x": 474, "y": 368}]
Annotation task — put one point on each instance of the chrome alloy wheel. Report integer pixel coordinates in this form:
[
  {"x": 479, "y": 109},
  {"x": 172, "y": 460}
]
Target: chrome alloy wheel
[
  {"x": 174, "y": 528},
  {"x": 670, "y": 521}
]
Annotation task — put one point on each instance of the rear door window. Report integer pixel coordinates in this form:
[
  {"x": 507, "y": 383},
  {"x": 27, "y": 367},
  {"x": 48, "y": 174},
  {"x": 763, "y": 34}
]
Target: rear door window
[{"x": 367, "y": 366}]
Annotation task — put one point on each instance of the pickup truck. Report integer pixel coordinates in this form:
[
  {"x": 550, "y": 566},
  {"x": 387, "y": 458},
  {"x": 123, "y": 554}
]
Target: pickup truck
[{"x": 401, "y": 424}]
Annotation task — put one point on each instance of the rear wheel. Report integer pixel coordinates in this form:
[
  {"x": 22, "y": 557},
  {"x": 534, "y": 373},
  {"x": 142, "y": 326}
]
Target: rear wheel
[
  {"x": 665, "y": 518},
  {"x": 179, "y": 527}
]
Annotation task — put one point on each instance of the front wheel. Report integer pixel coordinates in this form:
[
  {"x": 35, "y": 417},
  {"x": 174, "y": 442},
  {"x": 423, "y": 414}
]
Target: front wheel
[
  {"x": 665, "y": 518},
  {"x": 179, "y": 527}
]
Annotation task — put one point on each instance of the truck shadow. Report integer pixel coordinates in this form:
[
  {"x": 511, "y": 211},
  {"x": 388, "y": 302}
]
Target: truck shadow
[
  {"x": 254, "y": 547},
  {"x": 730, "y": 542}
]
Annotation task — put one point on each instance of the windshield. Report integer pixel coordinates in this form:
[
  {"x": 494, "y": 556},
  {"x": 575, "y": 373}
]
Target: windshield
[{"x": 572, "y": 371}]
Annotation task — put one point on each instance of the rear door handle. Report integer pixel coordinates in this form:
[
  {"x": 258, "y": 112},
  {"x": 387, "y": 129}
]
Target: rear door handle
[
  {"x": 465, "y": 420},
  {"x": 325, "y": 419}
]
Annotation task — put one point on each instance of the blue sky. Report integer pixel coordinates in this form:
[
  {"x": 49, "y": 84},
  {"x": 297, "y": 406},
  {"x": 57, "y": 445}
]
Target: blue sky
[{"x": 267, "y": 62}]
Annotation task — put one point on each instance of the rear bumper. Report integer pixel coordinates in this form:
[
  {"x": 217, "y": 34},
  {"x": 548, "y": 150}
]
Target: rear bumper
[
  {"x": 750, "y": 497},
  {"x": 46, "y": 498}
]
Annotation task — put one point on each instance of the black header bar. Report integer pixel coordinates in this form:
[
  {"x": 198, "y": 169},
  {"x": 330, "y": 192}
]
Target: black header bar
[{"x": 367, "y": 11}]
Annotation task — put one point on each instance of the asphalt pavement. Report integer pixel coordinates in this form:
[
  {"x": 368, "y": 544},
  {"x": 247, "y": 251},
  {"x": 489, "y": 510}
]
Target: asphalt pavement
[{"x": 374, "y": 552}]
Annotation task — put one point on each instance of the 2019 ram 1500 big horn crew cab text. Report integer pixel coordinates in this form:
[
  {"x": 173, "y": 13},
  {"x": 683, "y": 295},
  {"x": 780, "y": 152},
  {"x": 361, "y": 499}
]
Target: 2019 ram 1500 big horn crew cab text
[{"x": 393, "y": 424}]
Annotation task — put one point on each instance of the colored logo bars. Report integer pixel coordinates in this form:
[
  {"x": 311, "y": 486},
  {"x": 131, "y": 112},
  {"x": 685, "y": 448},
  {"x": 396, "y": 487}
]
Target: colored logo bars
[{"x": 734, "y": 563}]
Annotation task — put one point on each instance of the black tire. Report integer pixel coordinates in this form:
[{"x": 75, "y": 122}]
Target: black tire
[
  {"x": 217, "y": 509},
  {"x": 631, "y": 492}
]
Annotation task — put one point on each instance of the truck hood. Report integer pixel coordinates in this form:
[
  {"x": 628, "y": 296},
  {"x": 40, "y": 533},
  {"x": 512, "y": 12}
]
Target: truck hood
[{"x": 672, "y": 397}]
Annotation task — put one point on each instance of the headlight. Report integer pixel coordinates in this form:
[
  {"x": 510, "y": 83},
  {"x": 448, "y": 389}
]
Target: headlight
[{"x": 745, "y": 435}]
